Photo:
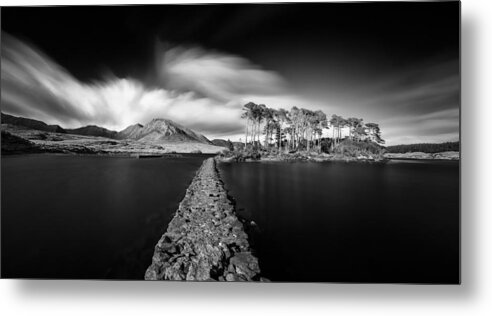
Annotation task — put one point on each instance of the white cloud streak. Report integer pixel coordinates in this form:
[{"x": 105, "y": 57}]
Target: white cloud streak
[
  {"x": 438, "y": 126},
  {"x": 216, "y": 75},
  {"x": 202, "y": 90},
  {"x": 205, "y": 90}
]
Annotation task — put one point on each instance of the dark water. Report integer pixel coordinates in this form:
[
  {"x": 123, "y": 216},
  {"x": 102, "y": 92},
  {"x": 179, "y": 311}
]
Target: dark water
[
  {"x": 350, "y": 222},
  {"x": 87, "y": 217}
]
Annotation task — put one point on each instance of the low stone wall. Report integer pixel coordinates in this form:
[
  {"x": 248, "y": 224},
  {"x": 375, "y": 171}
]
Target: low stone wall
[{"x": 205, "y": 240}]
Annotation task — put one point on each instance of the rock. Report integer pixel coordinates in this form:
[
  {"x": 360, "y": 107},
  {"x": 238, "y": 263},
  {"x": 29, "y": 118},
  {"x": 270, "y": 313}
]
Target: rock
[
  {"x": 448, "y": 155},
  {"x": 205, "y": 240},
  {"x": 246, "y": 265}
]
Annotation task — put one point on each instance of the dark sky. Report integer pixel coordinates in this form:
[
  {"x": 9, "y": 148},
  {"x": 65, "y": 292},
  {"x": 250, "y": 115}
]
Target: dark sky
[{"x": 393, "y": 63}]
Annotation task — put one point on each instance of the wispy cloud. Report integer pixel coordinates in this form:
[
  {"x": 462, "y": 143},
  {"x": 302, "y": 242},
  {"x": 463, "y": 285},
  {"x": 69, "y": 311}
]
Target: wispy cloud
[
  {"x": 420, "y": 104},
  {"x": 205, "y": 90},
  {"x": 202, "y": 90},
  {"x": 216, "y": 75},
  {"x": 438, "y": 126}
]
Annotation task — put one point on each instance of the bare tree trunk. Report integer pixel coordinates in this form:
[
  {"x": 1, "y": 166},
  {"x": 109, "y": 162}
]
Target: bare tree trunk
[
  {"x": 279, "y": 136},
  {"x": 267, "y": 132},
  {"x": 336, "y": 136},
  {"x": 332, "y": 136},
  {"x": 307, "y": 142},
  {"x": 339, "y": 135},
  {"x": 259, "y": 134},
  {"x": 246, "y": 138},
  {"x": 293, "y": 138},
  {"x": 253, "y": 133}
]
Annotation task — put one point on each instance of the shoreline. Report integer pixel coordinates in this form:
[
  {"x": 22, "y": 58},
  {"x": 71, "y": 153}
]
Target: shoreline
[
  {"x": 108, "y": 155},
  {"x": 444, "y": 156},
  {"x": 231, "y": 159}
]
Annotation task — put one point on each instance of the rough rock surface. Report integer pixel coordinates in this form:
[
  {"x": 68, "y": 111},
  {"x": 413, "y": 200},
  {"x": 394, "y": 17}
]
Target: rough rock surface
[
  {"x": 446, "y": 155},
  {"x": 205, "y": 240}
]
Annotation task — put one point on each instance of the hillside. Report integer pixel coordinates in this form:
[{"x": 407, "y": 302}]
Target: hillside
[
  {"x": 131, "y": 132},
  {"x": 220, "y": 142},
  {"x": 31, "y": 124},
  {"x": 157, "y": 131},
  {"x": 92, "y": 130},
  {"x": 12, "y": 144},
  {"x": 159, "y": 136},
  {"x": 226, "y": 144},
  {"x": 161, "y": 131}
]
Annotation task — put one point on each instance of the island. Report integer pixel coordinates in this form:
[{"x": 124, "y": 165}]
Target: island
[{"x": 295, "y": 135}]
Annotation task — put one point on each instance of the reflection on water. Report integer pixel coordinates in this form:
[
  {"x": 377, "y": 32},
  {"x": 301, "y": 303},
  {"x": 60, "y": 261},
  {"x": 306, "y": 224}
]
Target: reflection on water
[
  {"x": 86, "y": 216},
  {"x": 351, "y": 222},
  {"x": 99, "y": 217}
]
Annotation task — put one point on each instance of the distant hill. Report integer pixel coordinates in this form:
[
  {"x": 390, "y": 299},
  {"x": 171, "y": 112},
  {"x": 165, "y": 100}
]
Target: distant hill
[
  {"x": 430, "y": 148},
  {"x": 220, "y": 142},
  {"x": 161, "y": 131},
  {"x": 156, "y": 131},
  {"x": 159, "y": 136},
  {"x": 224, "y": 143},
  {"x": 93, "y": 130},
  {"x": 31, "y": 124}
]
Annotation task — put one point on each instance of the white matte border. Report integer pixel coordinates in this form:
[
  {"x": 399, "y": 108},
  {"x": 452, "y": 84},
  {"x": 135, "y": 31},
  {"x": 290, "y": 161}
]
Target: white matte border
[{"x": 473, "y": 297}]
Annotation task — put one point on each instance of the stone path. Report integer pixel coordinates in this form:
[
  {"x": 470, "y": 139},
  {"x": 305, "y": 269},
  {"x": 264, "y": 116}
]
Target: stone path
[{"x": 204, "y": 241}]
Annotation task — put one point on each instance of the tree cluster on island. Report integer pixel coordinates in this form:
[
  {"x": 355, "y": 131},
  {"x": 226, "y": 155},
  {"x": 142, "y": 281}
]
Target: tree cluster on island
[{"x": 302, "y": 129}]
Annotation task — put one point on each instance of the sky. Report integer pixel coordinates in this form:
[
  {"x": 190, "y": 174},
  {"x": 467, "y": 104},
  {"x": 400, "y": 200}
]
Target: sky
[{"x": 395, "y": 64}]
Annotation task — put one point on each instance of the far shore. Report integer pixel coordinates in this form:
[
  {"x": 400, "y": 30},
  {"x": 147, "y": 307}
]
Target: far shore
[
  {"x": 445, "y": 155},
  {"x": 314, "y": 157},
  {"x": 17, "y": 140}
]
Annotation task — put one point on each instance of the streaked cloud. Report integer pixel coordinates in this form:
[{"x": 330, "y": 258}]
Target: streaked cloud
[
  {"x": 205, "y": 90},
  {"x": 416, "y": 104},
  {"x": 439, "y": 126},
  {"x": 216, "y": 75},
  {"x": 202, "y": 90}
]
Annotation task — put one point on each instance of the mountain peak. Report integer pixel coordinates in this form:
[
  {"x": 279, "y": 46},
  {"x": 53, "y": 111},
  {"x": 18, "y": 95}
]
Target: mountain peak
[
  {"x": 158, "y": 130},
  {"x": 161, "y": 130},
  {"x": 92, "y": 130}
]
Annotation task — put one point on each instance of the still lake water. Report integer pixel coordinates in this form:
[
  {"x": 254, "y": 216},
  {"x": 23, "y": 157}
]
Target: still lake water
[
  {"x": 351, "y": 222},
  {"x": 87, "y": 216},
  {"x": 100, "y": 217}
]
